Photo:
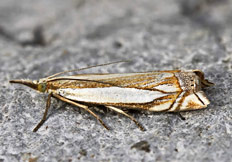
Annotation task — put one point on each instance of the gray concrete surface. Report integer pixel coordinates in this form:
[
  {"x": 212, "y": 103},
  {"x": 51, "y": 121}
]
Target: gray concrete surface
[{"x": 42, "y": 37}]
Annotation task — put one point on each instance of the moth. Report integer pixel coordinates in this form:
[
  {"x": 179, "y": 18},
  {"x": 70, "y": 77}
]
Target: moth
[{"x": 158, "y": 91}]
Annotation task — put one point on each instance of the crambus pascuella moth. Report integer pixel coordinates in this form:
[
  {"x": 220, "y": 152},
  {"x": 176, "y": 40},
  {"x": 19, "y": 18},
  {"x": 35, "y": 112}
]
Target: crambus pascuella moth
[{"x": 170, "y": 91}]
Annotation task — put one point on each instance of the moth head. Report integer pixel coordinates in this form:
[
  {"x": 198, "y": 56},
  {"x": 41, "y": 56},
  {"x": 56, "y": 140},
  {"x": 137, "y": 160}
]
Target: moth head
[{"x": 40, "y": 86}]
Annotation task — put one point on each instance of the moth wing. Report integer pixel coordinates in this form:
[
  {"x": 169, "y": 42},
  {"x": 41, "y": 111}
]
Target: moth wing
[
  {"x": 133, "y": 90},
  {"x": 194, "y": 101},
  {"x": 163, "y": 81}
]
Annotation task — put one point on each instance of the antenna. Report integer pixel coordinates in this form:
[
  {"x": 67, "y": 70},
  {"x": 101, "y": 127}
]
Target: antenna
[{"x": 123, "y": 61}]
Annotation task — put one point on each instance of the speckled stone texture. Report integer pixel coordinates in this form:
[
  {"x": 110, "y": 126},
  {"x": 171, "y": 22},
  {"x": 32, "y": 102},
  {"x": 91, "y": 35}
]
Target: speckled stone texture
[{"x": 42, "y": 37}]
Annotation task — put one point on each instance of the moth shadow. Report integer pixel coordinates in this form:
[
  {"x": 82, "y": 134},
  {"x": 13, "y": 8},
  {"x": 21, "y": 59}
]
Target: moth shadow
[{"x": 54, "y": 109}]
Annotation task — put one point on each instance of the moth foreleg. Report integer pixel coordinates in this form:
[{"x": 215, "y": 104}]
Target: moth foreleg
[
  {"x": 127, "y": 115},
  {"x": 81, "y": 106},
  {"x": 45, "y": 113}
]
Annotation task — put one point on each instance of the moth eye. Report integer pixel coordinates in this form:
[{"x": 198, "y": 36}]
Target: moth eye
[{"x": 42, "y": 87}]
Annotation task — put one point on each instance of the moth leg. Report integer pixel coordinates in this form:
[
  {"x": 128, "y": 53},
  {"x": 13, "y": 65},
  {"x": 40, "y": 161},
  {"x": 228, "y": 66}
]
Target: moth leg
[
  {"x": 45, "y": 113},
  {"x": 127, "y": 115},
  {"x": 180, "y": 115},
  {"x": 81, "y": 106}
]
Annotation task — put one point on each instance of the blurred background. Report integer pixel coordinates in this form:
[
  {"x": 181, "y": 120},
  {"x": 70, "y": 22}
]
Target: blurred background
[{"x": 39, "y": 38}]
